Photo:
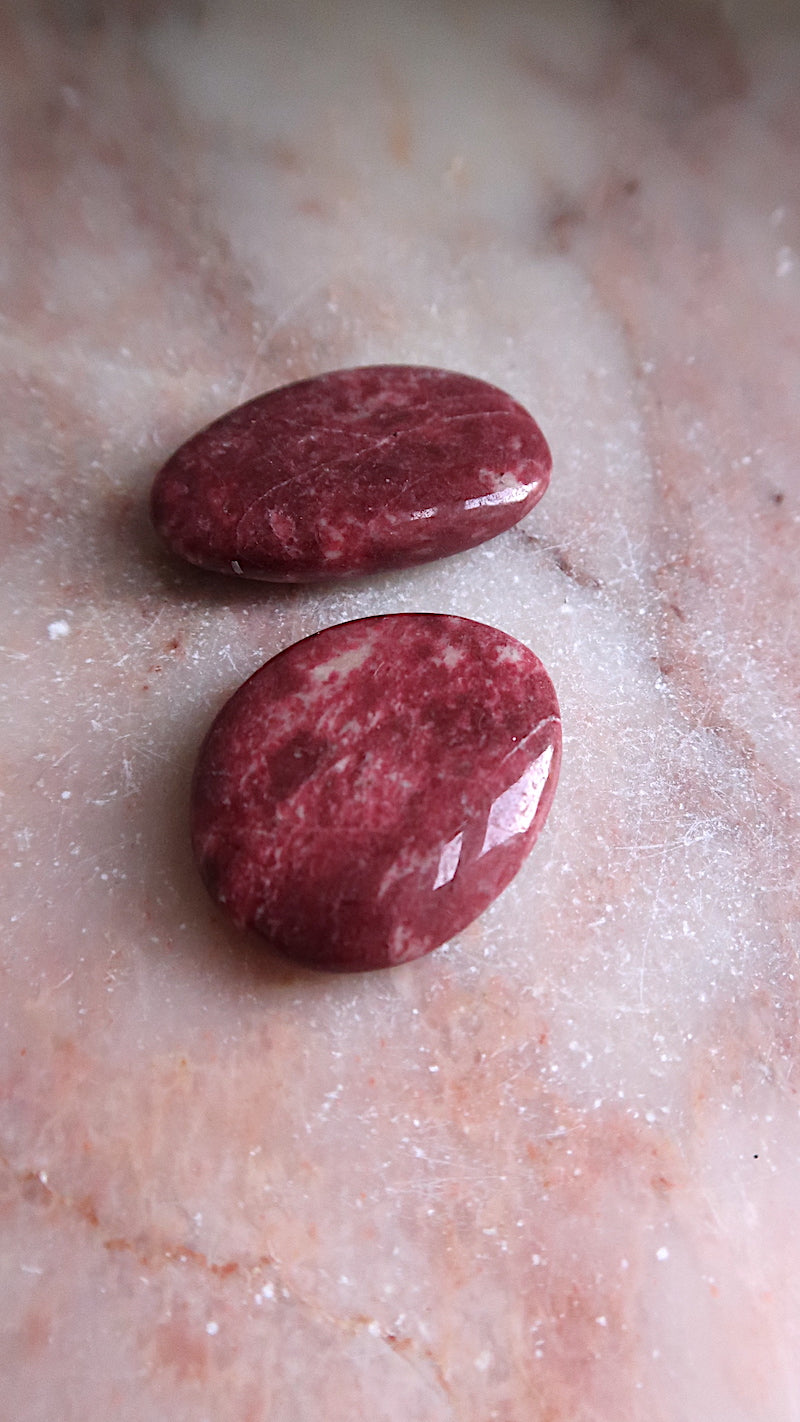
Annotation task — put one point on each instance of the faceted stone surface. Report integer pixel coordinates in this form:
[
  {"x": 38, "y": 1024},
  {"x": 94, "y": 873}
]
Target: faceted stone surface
[
  {"x": 369, "y": 791},
  {"x": 352, "y": 472}
]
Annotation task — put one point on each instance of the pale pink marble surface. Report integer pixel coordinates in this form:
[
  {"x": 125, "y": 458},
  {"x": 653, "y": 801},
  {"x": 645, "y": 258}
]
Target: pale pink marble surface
[{"x": 553, "y": 1171}]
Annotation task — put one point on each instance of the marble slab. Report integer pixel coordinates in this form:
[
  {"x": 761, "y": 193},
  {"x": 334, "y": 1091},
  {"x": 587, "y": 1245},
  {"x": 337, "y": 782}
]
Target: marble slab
[{"x": 551, "y": 1171}]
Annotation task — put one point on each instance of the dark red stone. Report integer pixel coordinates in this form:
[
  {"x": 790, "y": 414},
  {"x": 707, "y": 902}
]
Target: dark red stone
[
  {"x": 369, "y": 791},
  {"x": 352, "y": 472}
]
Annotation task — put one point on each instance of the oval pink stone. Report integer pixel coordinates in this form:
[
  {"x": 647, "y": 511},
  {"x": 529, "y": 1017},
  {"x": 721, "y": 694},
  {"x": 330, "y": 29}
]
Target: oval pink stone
[
  {"x": 352, "y": 472},
  {"x": 369, "y": 791}
]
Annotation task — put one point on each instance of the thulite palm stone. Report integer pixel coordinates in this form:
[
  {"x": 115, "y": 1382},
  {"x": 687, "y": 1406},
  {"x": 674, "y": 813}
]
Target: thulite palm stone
[
  {"x": 352, "y": 472},
  {"x": 369, "y": 791}
]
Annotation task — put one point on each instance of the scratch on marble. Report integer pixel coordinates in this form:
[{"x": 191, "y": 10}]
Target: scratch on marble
[{"x": 292, "y": 307}]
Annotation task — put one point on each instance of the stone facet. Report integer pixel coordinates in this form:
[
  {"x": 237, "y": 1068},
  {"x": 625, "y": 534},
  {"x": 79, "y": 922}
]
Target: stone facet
[
  {"x": 352, "y": 472},
  {"x": 368, "y": 792}
]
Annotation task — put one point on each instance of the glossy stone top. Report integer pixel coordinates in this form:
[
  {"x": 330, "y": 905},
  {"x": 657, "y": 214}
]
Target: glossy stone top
[
  {"x": 352, "y": 472},
  {"x": 370, "y": 791}
]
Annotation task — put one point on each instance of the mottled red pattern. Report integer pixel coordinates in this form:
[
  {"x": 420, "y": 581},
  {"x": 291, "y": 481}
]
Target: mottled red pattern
[
  {"x": 352, "y": 472},
  {"x": 369, "y": 791}
]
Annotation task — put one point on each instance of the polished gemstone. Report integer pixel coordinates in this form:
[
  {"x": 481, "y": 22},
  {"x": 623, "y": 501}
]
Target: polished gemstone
[
  {"x": 352, "y": 472},
  {"x": 369, "y": 791}
]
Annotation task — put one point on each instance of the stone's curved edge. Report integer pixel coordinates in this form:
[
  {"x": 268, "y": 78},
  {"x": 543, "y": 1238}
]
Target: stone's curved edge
[
  {"x": 352, "y": 472},
  {"x": 368, "y": 792}
]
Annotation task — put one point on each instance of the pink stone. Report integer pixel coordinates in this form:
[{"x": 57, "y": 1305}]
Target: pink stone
[
  {"x": 368, "y": 792},
  {"x": 352, "y": 472}
]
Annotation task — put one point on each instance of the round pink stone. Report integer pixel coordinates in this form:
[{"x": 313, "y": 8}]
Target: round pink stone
[
  {"x": 352, "y": 472},
  {"x": 369, "y": 791}
]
